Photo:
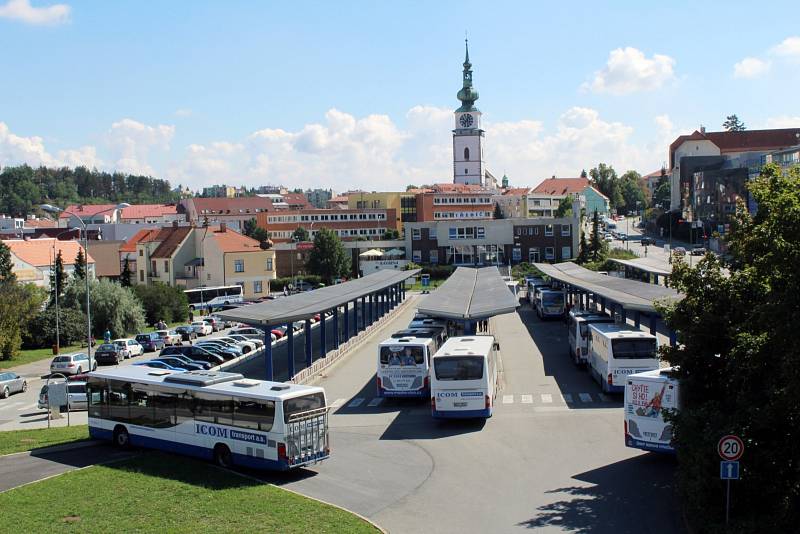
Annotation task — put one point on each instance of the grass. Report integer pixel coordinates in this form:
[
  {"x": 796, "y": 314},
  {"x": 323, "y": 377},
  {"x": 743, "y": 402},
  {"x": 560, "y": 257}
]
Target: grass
[
  {"x": 157, "y": 492},
  {"x": 418, "y": 285},
  {"x": 24, "y": 440},
  {"x": 35, "y": 355}
]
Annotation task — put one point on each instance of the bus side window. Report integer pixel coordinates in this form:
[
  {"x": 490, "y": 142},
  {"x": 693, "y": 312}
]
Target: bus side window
[{"x": 213, "y": 408}]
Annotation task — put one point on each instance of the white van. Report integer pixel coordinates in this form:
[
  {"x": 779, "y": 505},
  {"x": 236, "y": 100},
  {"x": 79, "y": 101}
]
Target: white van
[
  {"x": 464, "y": 378},
  {"x": 616, "y": 351},
  {"x": 578, "y": 333},
  {"x": 647, "y": 396}
]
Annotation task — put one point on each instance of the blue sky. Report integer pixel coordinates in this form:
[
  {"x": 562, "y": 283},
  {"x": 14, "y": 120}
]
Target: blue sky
[{"x": 360, "y": 94}]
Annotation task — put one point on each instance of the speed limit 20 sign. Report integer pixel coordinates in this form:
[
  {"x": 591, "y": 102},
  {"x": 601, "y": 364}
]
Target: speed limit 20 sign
[{"x": 730, "y": 447}]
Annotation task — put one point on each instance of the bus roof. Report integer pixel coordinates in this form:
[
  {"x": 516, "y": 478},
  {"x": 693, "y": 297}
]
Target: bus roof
[
  {"x": 208, "y": 381},
  {"x": 430, "y": 331},
  {"x": 466, "y": 345},
  {"x": 406, "y": 340},
  {"x": 619, "y": 331}
]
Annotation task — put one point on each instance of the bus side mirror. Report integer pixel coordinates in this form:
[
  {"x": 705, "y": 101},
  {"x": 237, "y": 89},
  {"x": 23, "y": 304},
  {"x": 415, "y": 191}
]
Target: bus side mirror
[{"x": 496, "y": 345}]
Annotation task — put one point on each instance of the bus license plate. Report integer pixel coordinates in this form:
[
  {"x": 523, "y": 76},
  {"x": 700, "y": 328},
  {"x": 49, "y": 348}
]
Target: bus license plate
[{"x": 460, "y": 404}]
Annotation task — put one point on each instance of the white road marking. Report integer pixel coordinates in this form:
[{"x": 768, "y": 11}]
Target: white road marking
[
  {"x": 585, "y": 397},
  {"x": 376, "y": 401},
  {"x": 604, "y": 397},
  {"x": 508, "y": 399},
  {"x": 337, "y": 403},
  {"x": 527, "y": 399},
  {"x": 547, "y": 398},
  {"x": 567, "y": 397},
  {"x": 355, "y": 403}
]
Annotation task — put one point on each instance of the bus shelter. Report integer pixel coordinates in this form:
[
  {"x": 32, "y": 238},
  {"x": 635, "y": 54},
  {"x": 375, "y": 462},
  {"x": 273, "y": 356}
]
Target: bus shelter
[
  {"x": 357, "y": 303},
  {"x": 470, "y": 295},
  {"x": 587, "y": 289}
]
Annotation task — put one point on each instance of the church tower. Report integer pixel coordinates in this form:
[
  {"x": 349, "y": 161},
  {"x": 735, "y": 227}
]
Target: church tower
[{"x": 468, "y": 163}]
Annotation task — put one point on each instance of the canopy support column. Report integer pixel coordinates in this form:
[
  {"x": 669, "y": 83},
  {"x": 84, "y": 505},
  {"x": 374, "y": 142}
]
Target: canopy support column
[
  {"x": 323, "y": 342},
  {"x": 290, "y": 347},
  {"x": 309, "y": 347},
  {"x": 638, "y": 318},
  {"x": 355, "y": 317},
  {"x": 653, "y": 324},
  {"x": 364, "y": 313},
  {"x": 346, "y": 322},
  {"x": 268, "y": 353},
  {"x": 336, "y": 328}
]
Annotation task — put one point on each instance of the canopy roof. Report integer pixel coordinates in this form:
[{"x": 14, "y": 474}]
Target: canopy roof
[
  {"x": 305, "y": 305},
  {"x": 470, "y": 294},
  {"x": 645, "y": 265},
  {"x": 630, "y": 294}
]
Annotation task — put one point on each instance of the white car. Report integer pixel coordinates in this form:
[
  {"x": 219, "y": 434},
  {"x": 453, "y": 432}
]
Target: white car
[
  {"x": 256, "y": 341},
  {"x": 248, "y": 332},
  {"x": 202, "y": 328},
  {"x": 133, "y": 346},
  {"x": 71, "y": 364},
  {"x": 245, "y": 345}
]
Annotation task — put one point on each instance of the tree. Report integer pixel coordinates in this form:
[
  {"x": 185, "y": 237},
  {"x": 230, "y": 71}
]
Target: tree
[
  {"x": 6, "y": 265},
  {"x": 58, "y": 279},
  {"x": 18, "y": 304},
  {"x": 162, "y": 302},
  {"x": 733, "y": 124},
  {"x": 498, "y": 212},
  {"x": 79, "y": 270},
  {"x": 583, "y": 249},
  {"x": 583, "y": 174},
  {"x": 41, "y": 330},
  {"x": 300, "y": 234},
  {"x": 391, "y": 233},
  {"x": 260, "y": 234},
  {"x": 564, "y": 207},
  {"x": 114, "y": 307},
  {"x": 596, "y": 246},
  {"x": 410, "y": 187},
  {"x": 328, "y": 258},
  {"x": 605, "y": 179},
  {"x": 126, "y": 274},
  {"x": 249, "y": 227},
  {"x": 737, "y": 366},
  {"x": 632, "y": 189}
]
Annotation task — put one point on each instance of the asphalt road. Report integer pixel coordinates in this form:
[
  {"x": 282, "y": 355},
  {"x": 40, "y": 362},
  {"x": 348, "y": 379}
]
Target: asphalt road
[{"x": 552, "y": 457}]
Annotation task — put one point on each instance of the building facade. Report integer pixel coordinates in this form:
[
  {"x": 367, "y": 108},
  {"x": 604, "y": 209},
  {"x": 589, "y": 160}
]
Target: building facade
[
  {"x": 159, "y": 214},
  {"x": 232, "y": 211},
  {"x": 348, "y": 224},
  {"x": 33, "y": 259}
]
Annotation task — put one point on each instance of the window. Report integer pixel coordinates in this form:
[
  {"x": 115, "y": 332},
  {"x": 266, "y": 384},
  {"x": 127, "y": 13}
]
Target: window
[
  {"x": 257, "y": 286},
  {"x": 516, "y": 254},
  {"x": 416, "y": 256},
  {"x": 269, "y": 264},
  {"x": 452, "y": 233},
  {"x": 434, "y": 256},
  {"x": 533, "y": 255},
  {"x": 566, "y": 253},
  {"x": 153, "y": 268},
  {"x": 566, "y": 229},
  {"x": 415, "y": 234},
  {"x": 141, "y": 276},
  {"x": 238, "y": 266},
  {"x": 535, "y": 230},
  {"x": 256, "y": 415},
  {"x": 549, "y": 253},
  {"x": 213, "y": 408},
  {"x": 118, "y": 395},
  {"x": 548, "y": 230},
  {"x": 141, "y": 252},
  {"x": 432, "y": 232},
  {"x": 466, "y": 154},
  {"x": 480, "y": 232},
  {"x": 459, "y": 368},
  {"x": 166, "y": 266}
]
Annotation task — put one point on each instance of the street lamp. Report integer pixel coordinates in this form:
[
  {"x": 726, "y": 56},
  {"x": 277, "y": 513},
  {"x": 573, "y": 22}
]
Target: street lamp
[
  {"x": 53, "y": 209},
  {"x": 55, "y": 280}
]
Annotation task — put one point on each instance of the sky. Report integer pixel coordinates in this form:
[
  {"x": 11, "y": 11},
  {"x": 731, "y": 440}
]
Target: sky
[{"x": 361, "y": 94}]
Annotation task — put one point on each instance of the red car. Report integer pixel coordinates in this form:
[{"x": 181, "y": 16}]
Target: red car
[{"x": 278, "y": 333}]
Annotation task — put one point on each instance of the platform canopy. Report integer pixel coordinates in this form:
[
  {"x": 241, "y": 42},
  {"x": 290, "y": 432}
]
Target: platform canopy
[
  {"x": 470, "y": 294},
  {"x": 305, "y": 305},
  {"x": 643, "y": 264},
  {"x": 630, "y": 294}
]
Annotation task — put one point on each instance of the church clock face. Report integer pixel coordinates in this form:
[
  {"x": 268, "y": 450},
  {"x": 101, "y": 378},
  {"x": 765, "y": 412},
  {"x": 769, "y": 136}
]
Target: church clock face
[{"x": 466, "y": 120}]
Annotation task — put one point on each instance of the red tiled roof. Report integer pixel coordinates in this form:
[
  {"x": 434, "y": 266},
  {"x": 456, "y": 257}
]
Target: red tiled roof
[
  {"x": 139, "y": 211},
  {"x": 231, "y": 206},
  {"x": 170, "y": 239},
  {"x": 141, "y": 235},
  {"x": 39, "y": 223},
  {"x": 232, "y": 241},
  {"x": 517, "y": 191},
  {"x": 39, "y": 252},
  {"x": 296, "y": 199},
  {"x": 86, "y": 210},
  {"x": 561, "y": 186},
  {"x": 744, "y": 141},
  {"x": 457, "y": 188}
]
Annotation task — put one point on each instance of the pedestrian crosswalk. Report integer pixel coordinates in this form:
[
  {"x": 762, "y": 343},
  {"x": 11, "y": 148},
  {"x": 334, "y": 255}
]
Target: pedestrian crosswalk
[{"x": 528, "y": 399}]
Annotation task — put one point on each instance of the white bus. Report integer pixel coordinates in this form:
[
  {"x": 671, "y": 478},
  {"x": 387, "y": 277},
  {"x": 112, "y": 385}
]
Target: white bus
[
  {"x": 213, "y": 297},
  {"x": 578, "y": 333},
  {"x": 464, "y": 378},
  {"x": 647, "y": 395},
  {"x": 213, "y": 415},
  {"x": 532, "y": 286},
  {"x": 404, "y": 363},
  {"x": 616, "y": 351},
  {"x": 550, "y": 303}
]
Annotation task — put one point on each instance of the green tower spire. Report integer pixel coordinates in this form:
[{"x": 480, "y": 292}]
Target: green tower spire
[{"x": 467, "y": 95}]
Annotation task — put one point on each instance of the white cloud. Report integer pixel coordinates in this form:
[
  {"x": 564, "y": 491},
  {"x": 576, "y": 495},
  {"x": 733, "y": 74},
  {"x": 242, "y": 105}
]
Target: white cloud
[
  {"x": 133, "y": 142},
  {"x": 750, "y": 67},
  {"x": 628, "y": 70},
  {"x": 789, "y": 47},
  {"x": 16, "y": 149},
  {"x": 183, "y": 112},
  {"x": 24, "y": 11},
  {"x": 783, "y": 121}
]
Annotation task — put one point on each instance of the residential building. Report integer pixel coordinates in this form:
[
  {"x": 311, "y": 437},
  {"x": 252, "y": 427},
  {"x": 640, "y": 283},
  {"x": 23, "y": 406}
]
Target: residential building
[
  {"x": 106, "y": 258},
  {"x": 338, "y": 202},
  {"x": 219, "y": 191},
  {"x": 152, "y": 214},
  {"x": 347, "y": 223},
  {"x": 232, "y": 211},
  {"x": 786, "y": 158},
  {"x": 488, "y": 242},
  {"x": 88, "y": 214},
  {"x": 455, "y": 201},
  {"x": 512, "y": 201},
  {"x": 594, "y": 200},
  {"x": 403, "y": 203},
  {"x": 33, "y": 259},
  {"x": 296, "y": 201},
  {"x": 543, "y": 200},
  {"x": 127, "y": 250},
  {"x": 161, "y": 255},
  {"x": 319, "y": 198}
]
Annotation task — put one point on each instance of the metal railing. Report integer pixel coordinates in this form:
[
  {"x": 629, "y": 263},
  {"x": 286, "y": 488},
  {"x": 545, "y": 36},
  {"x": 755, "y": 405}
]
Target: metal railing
[{"x": 307, "y": 439}]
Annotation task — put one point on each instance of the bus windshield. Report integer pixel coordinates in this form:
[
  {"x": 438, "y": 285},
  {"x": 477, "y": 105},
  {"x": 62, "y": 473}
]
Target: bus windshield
[
  {"x": 302, "y": 404},
  {"x": 402, "y": 355},
  {"x": 634, "y": 349},
  {"x": 459, "y": 368},
  {"x": 552, "y": 299}
]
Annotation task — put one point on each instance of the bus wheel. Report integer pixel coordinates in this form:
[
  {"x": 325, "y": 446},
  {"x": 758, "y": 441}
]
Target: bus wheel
[
  {"x": 121, "y": 437},
  {"x": 222, "y": 456}
]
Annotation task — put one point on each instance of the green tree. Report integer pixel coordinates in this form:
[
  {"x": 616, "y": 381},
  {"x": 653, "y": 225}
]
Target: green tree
[
  {"x": 328, "y": 258},
  {"x": 733, "y": 124},
  {"x": 162, "y": 302},
  {"x": 300, "y": 234},
  {"x": 564, "y": 207},
  {"x": 79, "y": 270},
  {"x": 113, "y": 307},
  {"x": 6, "y": 265},
  {"x": 391, "y": 233},
  {"x": 18, "y": 304},
  {"x": 126, "y": 274},
  {"x": 41, "y": 330},
  {"x": 738, "y": 368},
  {"x": 260, "y": 234},
  {"x": 249, "y": 227},
  {"x": 604, "y": 178},
  {"x": 596, "y": 245},
  {"x": 58, "y": 279},
  {"x": 583, "y": 249},
  {"x": 498, "y": 212},
  {"x": 632, "y": 190}
]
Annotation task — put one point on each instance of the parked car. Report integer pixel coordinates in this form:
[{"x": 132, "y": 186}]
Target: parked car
[
  {"x": 186, "y": 332},
  {"x": 647, "y": 241},
  {"x": 255, "y": 341},
  {"x": 150, "y": 341},
  {"x": 133, "y": 346},
  {"x": 179, "y": 363},
  {"x": 202, "y": 363},
  {"x": 195, "y": 353},
  {"x": 159, "y": 365},
  {"x": 202, "y": 328},
  {"x": 11, "y": 382},
  {"x": 71, "y": 364},
  {"x": 678, "y": 251},
  {"x": 698, "y": 250},
  {"x": 246, "y": 346},
  {"x": 225, "y": 323},
  {"x": 221, "y": 346},
  {"x": 622, "y": 236},
  {"x": 608, "y": 238},
  {"x": 76, "y": 395},
  {"x": 109, "y": 353},
  {"x": 298, "y": 325},
  {"x": 254, "y": 333},
  {"x": 216, "y": 324},
  {"x": 170, "y": 337}
]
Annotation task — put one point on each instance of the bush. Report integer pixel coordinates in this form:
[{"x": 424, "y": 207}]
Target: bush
[
  {"x": 438, "y": 272},
  {"x": 278, "y": 284},
  {"x": 114, "y": 307},
  {"x": 162, "y": 303},
  {"x": 42, "y": 328}
]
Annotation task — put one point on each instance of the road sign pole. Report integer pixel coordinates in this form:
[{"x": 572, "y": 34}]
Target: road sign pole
[{"x": 728, "y": 502}]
